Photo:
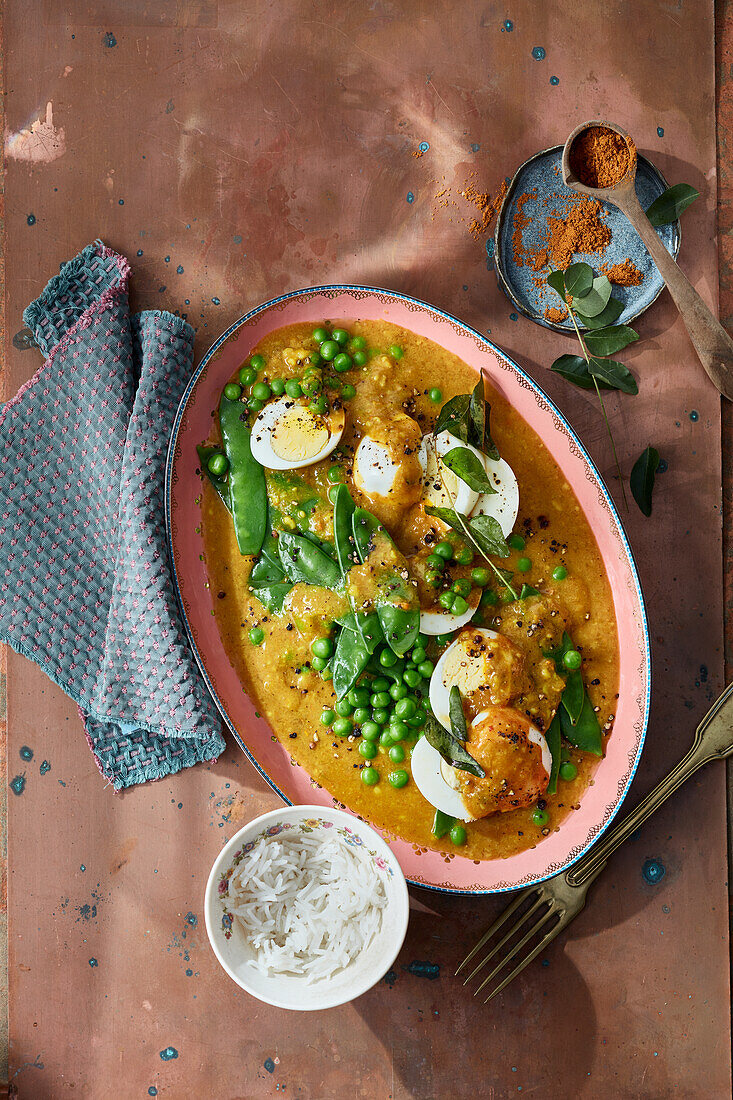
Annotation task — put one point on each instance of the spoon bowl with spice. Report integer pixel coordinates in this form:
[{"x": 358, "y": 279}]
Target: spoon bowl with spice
[{"x": 599, "y": 161}]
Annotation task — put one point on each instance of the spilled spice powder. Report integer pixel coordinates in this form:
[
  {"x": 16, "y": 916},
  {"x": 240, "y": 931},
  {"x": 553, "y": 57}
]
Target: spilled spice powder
[
  {"x": 599, "y": 157},
  {"x": 486, "y": 206},
  {"x": 555, "y": 314},
  {"x": 623, "y": 274},
  {"x": 580, "y": 229}
]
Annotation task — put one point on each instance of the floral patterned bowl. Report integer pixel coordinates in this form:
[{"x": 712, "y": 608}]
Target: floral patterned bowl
[{"x": 229, "y": 941}]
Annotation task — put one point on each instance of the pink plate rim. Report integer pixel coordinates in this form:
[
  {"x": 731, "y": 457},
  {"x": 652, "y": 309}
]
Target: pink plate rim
[{"x": 449, "y": 873}]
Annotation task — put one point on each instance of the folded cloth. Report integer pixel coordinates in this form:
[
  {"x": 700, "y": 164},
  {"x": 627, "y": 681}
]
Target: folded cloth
[{"x": 85, "y": 582}]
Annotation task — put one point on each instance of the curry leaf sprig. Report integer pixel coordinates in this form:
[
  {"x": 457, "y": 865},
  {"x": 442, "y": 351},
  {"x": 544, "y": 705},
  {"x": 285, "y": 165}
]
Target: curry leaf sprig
[{"x": 451, "y": 743}]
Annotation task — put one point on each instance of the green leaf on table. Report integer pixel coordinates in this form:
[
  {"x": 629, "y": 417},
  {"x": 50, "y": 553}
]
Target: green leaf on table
[
  {"x": 578, "y": 280},
  {"x": 553, "y": 736},
  {"x": 556, "y": 279},
  {"x": 614, "y": 374},
  {"x": 573, "y": 368},
  {"x": 451, "y": 748},
  {"x": 469, "y": 468},
  {"x": 596, "y": 300},
  {"x": 642, "y": 479},
  {"x": 671, "y": 203},
  {"x": 585, "y": 734},
  {"x": 607, "y": 316},
  {"x": 607, "y": 341}
]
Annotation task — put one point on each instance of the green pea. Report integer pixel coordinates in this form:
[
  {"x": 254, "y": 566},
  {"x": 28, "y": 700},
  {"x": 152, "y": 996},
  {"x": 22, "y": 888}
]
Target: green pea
[
  {"x": 314, "y": 360},
  {"x": 318, "y": 663},
  {"x": 311, "y": 385},
  {"x": 348, "y": 392},
  {"x": 342, "y": 362},
  {"x": 328, "y": 717},
  {"x": 398, "y": 730},
  {"x": 433, "y": 578},
  {"x": 320, "y": 334},
  {"x": 368, "y": 749},
  {"x": 560, "y": 573},
  {"x": 370, "y": 731},
  {"x": 436, "y": 395},
  {"x": 359, "y": 697},
  {"x": 387, "y": 658},
  {"x": 344, "y": 708},
  {"x": 397, "y": 754},
  {"x": 370, "y": 776},
  {"x": 398, "y": 778},
  {"x": 322, "y": 647},
  {"x": 444, "y": 550},
  {"x": 426, "y": 668},
  {"x": 380, "y": 716},
  {"x": 524, "y": 565},
  {"x": 385, "y": 737},
  {"x": 446, "y": 600},
  {"x": 398, "y": 691},
  {"x": 460, "y": 606},
  {"x": 480, "y": 576},
  {"x": 261, "y": 391},
  {"x": 568, "y": 771},
  {"x": 217, "y": 465},
  {"x": 418, "y": 719},
  {"x": 488, "y": 599},
  {"x": 331, "y": 494},
  {"x": 360, "y": 358},
  {"x": 461, "y": 587},
  {"x": 257, "y": 362},
  {"x": 418, "y": 654},
  {"x": 458, "y": 835},
  {"x": 405, "y": 708},
  {"x": 342, "y": 727},
  {"x": 380, "y": 699},
  {"x": 319, "y": 405},
  {"x": 327, "y": 673},
  {"x": 361, "y": 715},
  {"x": 435, "y": 561},
  {"x": 232, "y": 391},
  {"x": 293, "y": 388},
  {"x": 411, "y": 677},
  {"x": 278, "y": 386},
  {"x": 540, "y": 818},
  {"x": 516, "y": 542},
  {"x": 465, "y": 556},
  {"x": 572, "y": 660},
  {"x": 395, "y": 351},
  {"x": 340, "y": 335},
  {"x": 247, "y": 376},
  {"x": 381, "y": 683},
  {"x": 329, "y": 350},
  {"x": 358, "y": 343},
  {"x": 256, "y": 635}
]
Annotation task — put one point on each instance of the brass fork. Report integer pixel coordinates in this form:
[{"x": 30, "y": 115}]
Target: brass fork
[{"x": 551, "y": 906}]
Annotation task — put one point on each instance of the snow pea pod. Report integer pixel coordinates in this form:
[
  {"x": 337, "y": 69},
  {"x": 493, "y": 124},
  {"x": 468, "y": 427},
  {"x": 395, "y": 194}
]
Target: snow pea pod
[
  {"x": 247, "y": 489},
  {"x": 221, "y": 487},
  {"x": 349, "y": 661},
  {"x": 267, "y": 579},
  {"x": 303, "y": 561},
  {"x": 343, "y": 511},
  {"x": 401, "y": 626},
  {"x": 366, "y": 626},
  {"x": 584, "y": 734}
]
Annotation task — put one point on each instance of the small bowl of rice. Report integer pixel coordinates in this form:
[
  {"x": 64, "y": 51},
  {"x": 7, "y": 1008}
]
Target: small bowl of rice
[{"x": 306, "y": 908}]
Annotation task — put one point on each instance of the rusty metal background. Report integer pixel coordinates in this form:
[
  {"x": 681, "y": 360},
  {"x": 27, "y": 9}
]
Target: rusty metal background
[{"x": 235, "y": 150}]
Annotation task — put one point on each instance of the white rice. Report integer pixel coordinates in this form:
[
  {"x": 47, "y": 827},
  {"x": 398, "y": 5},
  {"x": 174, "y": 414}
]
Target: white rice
[{"x": 308, "y": 904}]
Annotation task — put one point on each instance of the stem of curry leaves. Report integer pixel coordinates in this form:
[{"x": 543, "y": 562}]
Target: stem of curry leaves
[{"x": 469, "y": 536}]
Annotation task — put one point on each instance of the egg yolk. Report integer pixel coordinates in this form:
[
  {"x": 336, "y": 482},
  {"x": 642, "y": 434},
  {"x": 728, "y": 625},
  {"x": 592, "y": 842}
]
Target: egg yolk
[
  {"x": 490, "y": 672},
  {"x": 298, "y": 435}
]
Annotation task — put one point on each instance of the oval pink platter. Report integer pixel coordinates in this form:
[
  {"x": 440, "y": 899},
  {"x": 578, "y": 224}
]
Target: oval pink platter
[{"x": 183, "y": 493}]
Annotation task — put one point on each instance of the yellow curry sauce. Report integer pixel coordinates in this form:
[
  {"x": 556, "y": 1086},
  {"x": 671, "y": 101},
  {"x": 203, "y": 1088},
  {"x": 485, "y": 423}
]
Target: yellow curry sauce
[{"x": 391, "y": 398}]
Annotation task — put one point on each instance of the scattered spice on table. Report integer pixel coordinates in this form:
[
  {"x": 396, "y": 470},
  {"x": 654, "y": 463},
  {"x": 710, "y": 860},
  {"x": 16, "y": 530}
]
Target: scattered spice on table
[
  {"x": 625, "y": 273},
  {"x": 486, "y": 205},
  {"x": 600, "y": 157}
]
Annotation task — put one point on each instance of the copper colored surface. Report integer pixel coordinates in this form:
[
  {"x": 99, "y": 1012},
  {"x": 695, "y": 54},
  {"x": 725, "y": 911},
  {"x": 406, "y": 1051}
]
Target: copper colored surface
[{"x": 260, "y": 148}]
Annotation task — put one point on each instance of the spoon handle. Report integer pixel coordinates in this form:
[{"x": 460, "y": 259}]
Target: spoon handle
[{"x": 712, "y": 343}]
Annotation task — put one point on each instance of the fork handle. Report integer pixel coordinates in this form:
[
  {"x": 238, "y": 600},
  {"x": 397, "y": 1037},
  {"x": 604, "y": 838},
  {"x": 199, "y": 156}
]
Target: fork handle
[{"x": 708, "y": 745}]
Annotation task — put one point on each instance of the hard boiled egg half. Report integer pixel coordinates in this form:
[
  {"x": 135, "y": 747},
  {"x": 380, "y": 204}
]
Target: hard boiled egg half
[{"x": 287, "y": 435}]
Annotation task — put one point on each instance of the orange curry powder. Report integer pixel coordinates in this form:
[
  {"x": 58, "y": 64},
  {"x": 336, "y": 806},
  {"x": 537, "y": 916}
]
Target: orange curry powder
[
  {"x": 623, "y": 274},
  {"x": 599, "y": 157}
]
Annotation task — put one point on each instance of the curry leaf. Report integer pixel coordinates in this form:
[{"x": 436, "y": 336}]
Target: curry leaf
[
  {"x": 477, "y": 414},
  {"x": 611, "y": 313},
  {"x": 613, "y": 373},
  {"x": 453, "y": 417},
  {"x": 487, "y": 532},
  {"x": 573, "y": 368},
  {"x": 556, "y": 279},
  {"x": 457, "y": 717},
  {"x": 450, "y": 748},
  {"x": 607, "y": 341},
  {"x": 596, "y": 300},
  {"x": 642, "y": 479},
  {"x": 578, "y": 279},
  {"x": 527, "y": 591},
  {"x": 553, "y": 738},
  {"x": 469, "y": 468},
  {"x": 671, "y": 203}
]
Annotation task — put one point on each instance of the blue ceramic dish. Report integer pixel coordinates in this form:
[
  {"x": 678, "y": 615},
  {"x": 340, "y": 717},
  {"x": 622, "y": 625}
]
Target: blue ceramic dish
[{"x": 541, "y": 175}]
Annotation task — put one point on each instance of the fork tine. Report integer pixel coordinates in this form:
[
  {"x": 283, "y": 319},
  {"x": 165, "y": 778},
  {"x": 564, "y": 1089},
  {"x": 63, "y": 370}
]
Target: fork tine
[
  {"x": 546, "y": 939},
  {"x": 512, "y": 932},
  {"x": 504, "y": 916},
  {"x": 513, "y": 952}
]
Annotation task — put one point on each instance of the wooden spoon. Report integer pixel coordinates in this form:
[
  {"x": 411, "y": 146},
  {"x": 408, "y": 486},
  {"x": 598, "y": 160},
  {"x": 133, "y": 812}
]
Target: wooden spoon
[{"x": 712, "y": 343}]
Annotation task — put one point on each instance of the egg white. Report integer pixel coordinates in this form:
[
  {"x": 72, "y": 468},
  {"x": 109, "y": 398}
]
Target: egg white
[
  {"x": 452, "y": 668},
  {"x": 433, "y": 779},
  {"x": 286, "y": 435},
  {"x": 374, "y": 471},
  {"x": 443, "y": 622},
  {"x": 503, "y": 505}
]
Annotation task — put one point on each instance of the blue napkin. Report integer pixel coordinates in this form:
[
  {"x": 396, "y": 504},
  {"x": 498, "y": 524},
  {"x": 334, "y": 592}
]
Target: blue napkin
[{"x": 85, "y": 581}]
